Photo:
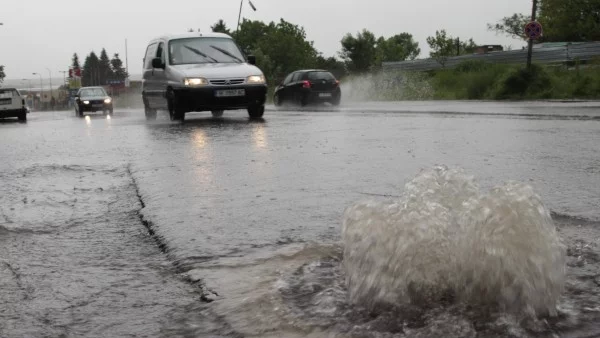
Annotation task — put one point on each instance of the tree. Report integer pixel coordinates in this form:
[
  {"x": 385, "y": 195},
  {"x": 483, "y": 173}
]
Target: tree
[
  {"x": 359, "y": 52},
  {"x": 573, "y": 21},
  {"x": 513, "y": 26},
  {"x": 90, "y": 76},
  {"x": 444, "y": 46},
  {"x": 287, "y": 49},
  {"x": 75, "y": 61},
  {"x": 104, "y": 69},
  {"x": 118, "y": 71},
  {"x": 399, "y": 47},
  {"x": 220, "y": 27},
  {"x": 335, "y": 66},
  {"x": 250, "y": 33},
  {"x": 563, "y": 21},
  {"x": 2, "y": 74}
]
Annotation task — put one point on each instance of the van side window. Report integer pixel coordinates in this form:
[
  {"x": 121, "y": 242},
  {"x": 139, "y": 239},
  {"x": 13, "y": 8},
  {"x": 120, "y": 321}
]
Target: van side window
[
  {"x": 160, "y": 52},
  {"x": 150, "y": 52}
]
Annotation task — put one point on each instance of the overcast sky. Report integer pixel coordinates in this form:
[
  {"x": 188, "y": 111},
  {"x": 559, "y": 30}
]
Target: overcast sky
[{"x": 40, "y": 34}]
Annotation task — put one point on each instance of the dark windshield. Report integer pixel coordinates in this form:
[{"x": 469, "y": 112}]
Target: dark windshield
[
  {"x": 320, "y": 76},
  {"x": 93, "y": 92},
  {"x": 204, "y": 50}
]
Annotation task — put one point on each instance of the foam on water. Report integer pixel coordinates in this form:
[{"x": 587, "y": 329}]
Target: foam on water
[{"x": 446, "y": 240}]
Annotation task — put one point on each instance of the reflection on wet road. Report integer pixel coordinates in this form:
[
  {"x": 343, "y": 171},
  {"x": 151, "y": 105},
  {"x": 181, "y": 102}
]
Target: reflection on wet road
[{"x": 231, "y": 227}]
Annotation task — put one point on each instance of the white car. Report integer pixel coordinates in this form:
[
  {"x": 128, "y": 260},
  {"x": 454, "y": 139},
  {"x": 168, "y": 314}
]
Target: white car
[
  {"x": 201, "y": 72},
  {"x": 12, "y": 104}
]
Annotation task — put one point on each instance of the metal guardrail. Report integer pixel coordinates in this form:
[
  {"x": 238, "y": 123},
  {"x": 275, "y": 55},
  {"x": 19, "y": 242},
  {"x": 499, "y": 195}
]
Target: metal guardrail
[{"x": 568, "y": 53}]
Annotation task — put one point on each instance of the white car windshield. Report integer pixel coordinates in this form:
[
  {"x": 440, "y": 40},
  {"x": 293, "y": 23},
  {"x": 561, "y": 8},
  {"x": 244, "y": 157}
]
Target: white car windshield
[
  {"x": 93, "y": 92},
  {"x": 204, "y": 50}
]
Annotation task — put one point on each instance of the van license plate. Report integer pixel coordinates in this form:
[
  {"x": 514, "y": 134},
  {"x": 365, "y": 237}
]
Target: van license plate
[{"x": 230, "y": 92}]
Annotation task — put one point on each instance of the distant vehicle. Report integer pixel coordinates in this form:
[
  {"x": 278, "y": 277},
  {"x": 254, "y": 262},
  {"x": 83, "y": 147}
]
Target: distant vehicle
[
  {"x": 93, "y": 99},
  {"x": 12, "y": 104},
  {"x": 303, "y": 87},
  {"x": 200, "y": 72}
]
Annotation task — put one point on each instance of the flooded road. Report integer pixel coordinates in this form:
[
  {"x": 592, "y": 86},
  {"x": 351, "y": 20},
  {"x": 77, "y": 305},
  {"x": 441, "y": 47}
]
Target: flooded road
[{"x": 230, "y": 227}]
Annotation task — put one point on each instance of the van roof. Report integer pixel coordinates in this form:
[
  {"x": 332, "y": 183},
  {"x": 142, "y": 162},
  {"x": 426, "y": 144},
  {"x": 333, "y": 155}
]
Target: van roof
[{"x": 192, "y": 35}]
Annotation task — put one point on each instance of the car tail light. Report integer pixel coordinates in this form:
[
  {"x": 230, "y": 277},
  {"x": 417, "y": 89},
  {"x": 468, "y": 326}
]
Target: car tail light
[
  {"x": 337, "y": 82},
  {"x": 305, "y": 84}
]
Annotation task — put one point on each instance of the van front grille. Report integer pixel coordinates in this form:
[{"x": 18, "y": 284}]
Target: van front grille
[{"x": 226, "y": 82}]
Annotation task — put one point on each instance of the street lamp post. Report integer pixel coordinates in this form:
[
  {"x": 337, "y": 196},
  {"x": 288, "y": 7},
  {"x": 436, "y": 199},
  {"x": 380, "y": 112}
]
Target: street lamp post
[
  {"x": 41, "y": 88},
  {"x": 50, "y": 79},
  {"x": 240, "y": 15}
]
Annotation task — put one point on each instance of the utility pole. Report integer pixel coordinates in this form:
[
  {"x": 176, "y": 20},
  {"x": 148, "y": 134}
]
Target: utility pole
[
  {"x": 530, "y": 45},
  {"x": 126, "y": 59},
  {"x": 239, "y": 16}
]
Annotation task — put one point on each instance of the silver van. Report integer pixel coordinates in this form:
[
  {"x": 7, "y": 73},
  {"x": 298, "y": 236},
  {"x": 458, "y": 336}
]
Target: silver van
[{"x": 200, "y": 72}]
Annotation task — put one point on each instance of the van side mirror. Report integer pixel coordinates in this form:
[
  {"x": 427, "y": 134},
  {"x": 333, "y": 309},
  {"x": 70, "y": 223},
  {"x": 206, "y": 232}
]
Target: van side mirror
[
  {"x": 252, "y": 59},
  {"x": 157, "y": 63}
]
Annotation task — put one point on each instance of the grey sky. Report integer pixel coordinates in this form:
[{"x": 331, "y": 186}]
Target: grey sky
[{"x": 40, "y": 34}]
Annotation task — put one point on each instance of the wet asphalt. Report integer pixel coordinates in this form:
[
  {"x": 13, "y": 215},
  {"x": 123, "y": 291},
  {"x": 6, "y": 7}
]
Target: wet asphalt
[{"x": 116, "y": 227}]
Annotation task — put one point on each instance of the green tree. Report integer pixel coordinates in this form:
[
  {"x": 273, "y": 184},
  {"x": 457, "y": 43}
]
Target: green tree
[
  {"x": 118, "y": 71},
  {"x": 399, "y": 47},
  {"x": 90, "y": 76},
  {"x": 2, "y": 74},
  {"x": 570, "y": 20},
  {"x": 287, "y": 48},
  {"x": 220, "y": 27},
  {"x": 75, "y": 61},
  {"x": 513, "y": 26},
  {"x": 444, "y": 46},
  {"x": 335, "y": 66},
  {"x": 250, "y": 33},
  {"x": 360, "y": 52},
  {"x": 104, "y": 69}
]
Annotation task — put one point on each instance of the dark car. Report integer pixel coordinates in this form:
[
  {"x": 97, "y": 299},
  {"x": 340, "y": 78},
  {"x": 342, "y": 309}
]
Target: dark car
[
  {"x": 93, "y": 99},
  {"x": 303, "y": 87}
]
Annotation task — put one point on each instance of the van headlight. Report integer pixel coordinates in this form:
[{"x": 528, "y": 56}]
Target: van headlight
[
  {"x": 107, "y": 100},
  {"x": 195, "y": 81},
  {"x": 256, "y": 79}
]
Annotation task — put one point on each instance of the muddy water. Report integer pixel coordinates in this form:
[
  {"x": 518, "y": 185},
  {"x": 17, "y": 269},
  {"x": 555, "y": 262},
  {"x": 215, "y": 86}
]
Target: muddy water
[{"x": 240, "y": 228}]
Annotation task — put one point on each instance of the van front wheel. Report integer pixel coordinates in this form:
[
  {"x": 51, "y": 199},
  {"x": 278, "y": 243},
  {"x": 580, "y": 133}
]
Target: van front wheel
[
  {"x": 176, "y": 112},
  {"x": 256, "y": 112}
]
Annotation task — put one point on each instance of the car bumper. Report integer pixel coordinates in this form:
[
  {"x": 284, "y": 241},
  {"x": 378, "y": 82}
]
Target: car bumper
[
  {"x": 323, "y": 96},
  {"x": 11, "y": 113},
  {"x": 201, "y": 99}
]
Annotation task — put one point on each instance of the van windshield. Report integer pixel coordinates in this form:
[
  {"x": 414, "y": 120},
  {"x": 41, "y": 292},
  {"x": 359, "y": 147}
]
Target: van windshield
[{"x": 204, "y": 50}]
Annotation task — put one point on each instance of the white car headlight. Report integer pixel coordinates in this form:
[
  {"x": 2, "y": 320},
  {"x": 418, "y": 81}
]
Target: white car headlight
[
  {"x": 107, "y": 100},
  {"x": 86, "y": 102},
  {"x": 256, "y": 79},
  {"x": 195, "y": 81}
]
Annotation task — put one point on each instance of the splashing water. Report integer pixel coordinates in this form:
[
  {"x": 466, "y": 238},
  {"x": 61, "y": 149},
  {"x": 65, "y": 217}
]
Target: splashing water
[{"x": 444, "y": 240}]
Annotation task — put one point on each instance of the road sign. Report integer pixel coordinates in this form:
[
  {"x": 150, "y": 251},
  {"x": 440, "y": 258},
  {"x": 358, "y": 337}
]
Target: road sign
[{"x": 533, "y": 30}]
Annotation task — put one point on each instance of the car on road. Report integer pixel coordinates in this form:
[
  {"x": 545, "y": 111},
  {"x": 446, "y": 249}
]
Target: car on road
[
  {"x": 12, "y": 104},
  {"x": 303, "y": 87},
  {"x": 196, "y": 72},
  {"x": 93, "y": 99}
]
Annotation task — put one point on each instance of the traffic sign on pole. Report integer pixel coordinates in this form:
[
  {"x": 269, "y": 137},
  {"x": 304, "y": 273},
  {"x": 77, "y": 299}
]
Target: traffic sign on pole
[{"x": 533, "y": 30}]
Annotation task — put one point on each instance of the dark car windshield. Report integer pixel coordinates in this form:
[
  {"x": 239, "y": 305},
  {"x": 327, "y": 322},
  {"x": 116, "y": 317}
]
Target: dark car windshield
[
  {"x": 93, "y": 92},
  {"x": 204, "y": 50},
  {"x": 320, "y": 76}
]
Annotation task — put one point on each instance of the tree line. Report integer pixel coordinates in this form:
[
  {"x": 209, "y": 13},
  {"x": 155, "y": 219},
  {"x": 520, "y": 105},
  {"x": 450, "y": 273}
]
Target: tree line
[{"x": 99, "y": 71}]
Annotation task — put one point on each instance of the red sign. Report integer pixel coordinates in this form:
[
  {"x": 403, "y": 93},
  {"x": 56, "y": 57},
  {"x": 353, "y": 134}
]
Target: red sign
[{"x": 533, "y": 30}]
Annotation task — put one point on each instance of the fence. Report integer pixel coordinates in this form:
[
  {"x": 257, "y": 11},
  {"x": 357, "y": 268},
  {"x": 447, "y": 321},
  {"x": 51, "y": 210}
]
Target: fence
[{"x": 562, "y": 54}]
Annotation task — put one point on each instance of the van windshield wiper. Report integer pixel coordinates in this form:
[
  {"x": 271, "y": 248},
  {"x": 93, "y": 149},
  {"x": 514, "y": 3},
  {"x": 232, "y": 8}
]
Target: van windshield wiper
[
  {"x": 228, "y": 54},
  {"x": 200, "y": 53}
]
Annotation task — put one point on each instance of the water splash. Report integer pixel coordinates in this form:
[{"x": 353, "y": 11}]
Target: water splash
[{"x": 445, "y": 240}]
